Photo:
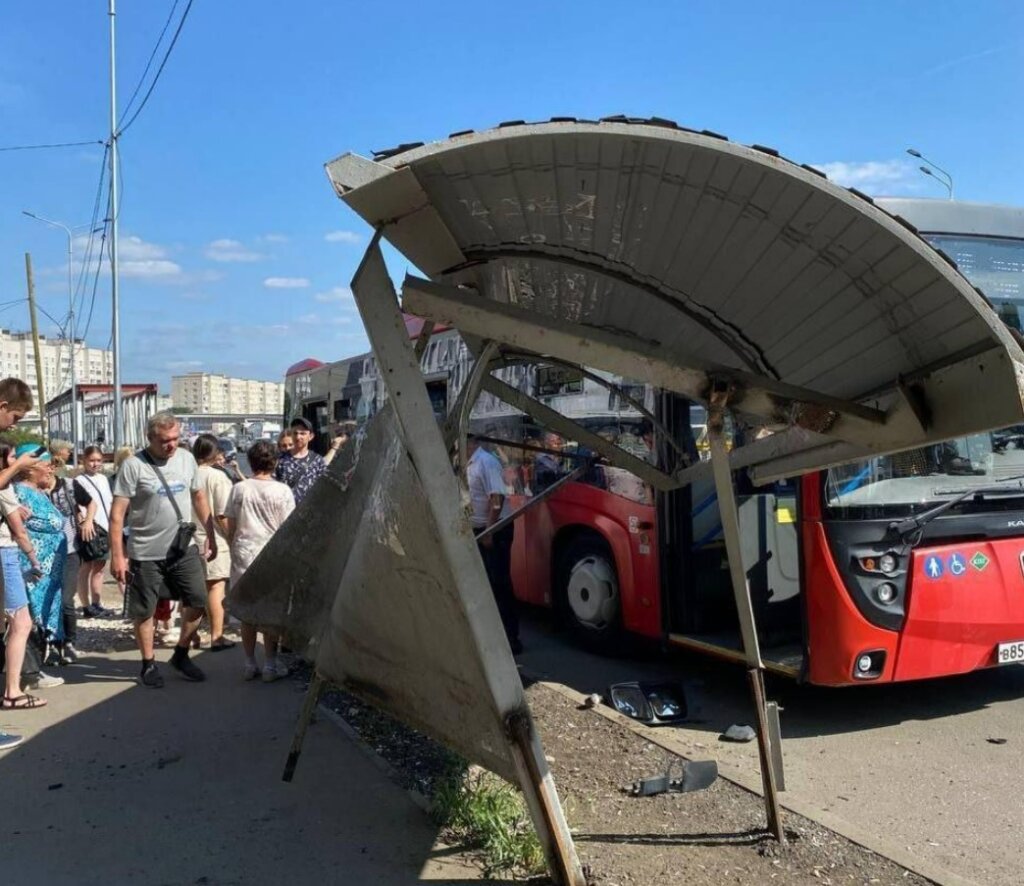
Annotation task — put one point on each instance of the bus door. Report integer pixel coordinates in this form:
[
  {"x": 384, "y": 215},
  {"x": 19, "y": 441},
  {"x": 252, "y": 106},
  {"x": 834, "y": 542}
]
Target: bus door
[{"x": 698, "y": 601}]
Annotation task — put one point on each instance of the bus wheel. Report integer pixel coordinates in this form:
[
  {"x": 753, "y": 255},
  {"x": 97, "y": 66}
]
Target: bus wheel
[{"x": 588, "y": 593}]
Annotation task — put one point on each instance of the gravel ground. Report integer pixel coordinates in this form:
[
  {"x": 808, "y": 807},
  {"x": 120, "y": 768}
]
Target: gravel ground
[{"x": 711, "y": 837}]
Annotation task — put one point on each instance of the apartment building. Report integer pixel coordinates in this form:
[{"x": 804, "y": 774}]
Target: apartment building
[
  {"x": 210, "y": 393},
  {"x": 17, "y": 358}
]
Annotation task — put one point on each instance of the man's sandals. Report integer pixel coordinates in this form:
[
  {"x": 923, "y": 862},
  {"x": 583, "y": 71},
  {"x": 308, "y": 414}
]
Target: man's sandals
[{"x": 22, "y": 702}]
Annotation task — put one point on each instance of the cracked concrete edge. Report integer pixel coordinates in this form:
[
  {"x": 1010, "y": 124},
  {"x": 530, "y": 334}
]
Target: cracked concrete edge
[{"x": 732, "y": 773}]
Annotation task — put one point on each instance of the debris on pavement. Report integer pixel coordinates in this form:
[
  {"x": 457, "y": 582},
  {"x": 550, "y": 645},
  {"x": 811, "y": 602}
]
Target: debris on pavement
[
  {"x": 738, "y": 733},
  {"x": 703, "y": 838},
  {"x": 694, "y": 775}
]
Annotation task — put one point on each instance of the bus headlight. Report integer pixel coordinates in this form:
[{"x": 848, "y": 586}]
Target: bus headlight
[
  {"x": 886, "y": 593},
  {"x": 888, "y": 563},
  {"x": 864, "y": 664}
]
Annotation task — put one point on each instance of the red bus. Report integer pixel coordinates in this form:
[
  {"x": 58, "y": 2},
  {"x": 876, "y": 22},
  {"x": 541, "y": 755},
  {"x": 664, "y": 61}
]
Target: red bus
[{"x": 901, "y": 567}]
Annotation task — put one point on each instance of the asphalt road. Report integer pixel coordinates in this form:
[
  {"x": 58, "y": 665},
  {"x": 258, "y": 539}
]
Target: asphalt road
[{"x": 910, "y": 762}]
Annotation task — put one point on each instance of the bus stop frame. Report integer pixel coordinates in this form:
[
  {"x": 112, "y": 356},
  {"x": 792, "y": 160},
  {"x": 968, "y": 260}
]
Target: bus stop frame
[{"x": 432, "y": 202}]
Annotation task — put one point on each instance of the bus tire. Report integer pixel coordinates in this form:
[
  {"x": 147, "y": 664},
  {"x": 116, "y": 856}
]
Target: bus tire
[{"x": 587, "y": 589}]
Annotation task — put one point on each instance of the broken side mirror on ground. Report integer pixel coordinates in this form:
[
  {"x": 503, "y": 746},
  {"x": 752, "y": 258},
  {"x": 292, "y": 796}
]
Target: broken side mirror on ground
[{"x": 654, "y": 703}]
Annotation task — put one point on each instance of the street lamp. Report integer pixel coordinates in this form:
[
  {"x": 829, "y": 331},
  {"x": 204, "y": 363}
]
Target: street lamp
[
  {"x": 944, "y": 178},
  {"x": 71, "y": 324}
]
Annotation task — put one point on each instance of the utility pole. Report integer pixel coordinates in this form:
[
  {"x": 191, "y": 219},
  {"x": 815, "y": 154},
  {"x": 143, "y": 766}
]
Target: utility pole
[
  {"x": 115, "y": 326},
  {"x": 75, "y": 436},
  {"x": 41, "y": 405}
]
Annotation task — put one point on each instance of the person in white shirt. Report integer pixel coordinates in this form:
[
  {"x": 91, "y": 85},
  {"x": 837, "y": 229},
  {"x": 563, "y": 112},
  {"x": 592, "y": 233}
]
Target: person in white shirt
[
  {"x": 256, "y": 509},
  {"x": 489, "y": 500},
  {"x": 92, "y": 492}
]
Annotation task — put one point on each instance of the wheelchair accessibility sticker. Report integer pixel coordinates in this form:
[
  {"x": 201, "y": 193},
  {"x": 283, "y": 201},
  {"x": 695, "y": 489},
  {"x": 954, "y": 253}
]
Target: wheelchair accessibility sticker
[{"x": 956, "y": 564}]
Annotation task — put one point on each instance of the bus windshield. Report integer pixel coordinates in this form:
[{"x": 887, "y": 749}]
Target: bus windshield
[{"x": 921, "y": 477}]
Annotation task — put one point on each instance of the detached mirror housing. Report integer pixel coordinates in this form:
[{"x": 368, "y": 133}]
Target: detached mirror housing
[{"x": 650, "y": 702}]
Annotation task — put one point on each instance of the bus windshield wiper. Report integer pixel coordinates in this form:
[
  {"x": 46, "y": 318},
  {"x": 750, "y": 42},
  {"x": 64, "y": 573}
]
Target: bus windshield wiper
[{"x": 917, "y": 522}]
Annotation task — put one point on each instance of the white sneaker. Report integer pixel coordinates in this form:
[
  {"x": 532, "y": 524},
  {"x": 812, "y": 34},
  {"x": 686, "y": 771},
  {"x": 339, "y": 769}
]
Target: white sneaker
[
  {"x": 272, "y": 673},
  {"x": 251, "y": 671},
  {"x": 42, "y": 680},
  {"x": 8, "y": 741}
]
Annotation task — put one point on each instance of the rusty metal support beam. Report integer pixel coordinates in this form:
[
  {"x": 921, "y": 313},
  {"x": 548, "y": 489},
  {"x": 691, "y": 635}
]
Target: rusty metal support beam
[
  {"x": 744, "y": 605},
  {"x": 566, "y": 427},
  {"x": 598, "y": 348}
]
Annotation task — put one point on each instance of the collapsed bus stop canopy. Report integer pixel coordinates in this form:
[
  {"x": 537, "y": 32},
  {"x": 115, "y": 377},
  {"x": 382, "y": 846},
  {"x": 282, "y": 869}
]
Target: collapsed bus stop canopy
[
  {"x": 722, "y": 272},
  {"x": 680, "y": 258}
]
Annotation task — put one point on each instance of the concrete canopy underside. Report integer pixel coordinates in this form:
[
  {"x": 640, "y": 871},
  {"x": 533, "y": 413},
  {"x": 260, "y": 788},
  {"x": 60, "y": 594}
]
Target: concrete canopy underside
[{"x": 706, "y": 260}]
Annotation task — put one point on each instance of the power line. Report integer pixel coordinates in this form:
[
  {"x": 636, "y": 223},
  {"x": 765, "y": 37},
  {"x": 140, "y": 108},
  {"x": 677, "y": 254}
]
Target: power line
[
  {"x": 96, "y": 276},
  {"x": 93, "y": 224},
  {"x": 149, "y": 63},
  {"x": 156, "y": 77},
  {"x": 58, "y": 145}
]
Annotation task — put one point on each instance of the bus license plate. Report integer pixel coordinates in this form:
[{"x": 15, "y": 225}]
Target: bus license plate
[{"x": 1010, "y": 653}]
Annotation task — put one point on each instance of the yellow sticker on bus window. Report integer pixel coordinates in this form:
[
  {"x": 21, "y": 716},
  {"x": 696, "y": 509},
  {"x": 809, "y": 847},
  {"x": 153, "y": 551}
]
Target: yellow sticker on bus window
[{"x": 785, "y": 515}]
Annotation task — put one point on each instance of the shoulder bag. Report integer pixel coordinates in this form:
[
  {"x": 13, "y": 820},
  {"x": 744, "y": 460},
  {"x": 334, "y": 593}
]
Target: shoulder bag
[
  {"x": 186, "y": 531},
  {"x": 97, "y": 547}
]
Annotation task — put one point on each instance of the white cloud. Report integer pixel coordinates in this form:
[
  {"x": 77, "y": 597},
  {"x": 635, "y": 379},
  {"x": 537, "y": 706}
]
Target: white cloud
[
  {"x": 136, "y": 258},
  {"x": 317, "y": 320},
  {"x": 137, "y": 249},
  {"x": 337, "y": 293},
  {"x": 350, "y": 237},
  {"x": 273, "y": 238},
  {"x": 872, "y": 176},
  {"x": 149, "y": 268},
  {"x": 286, "y": 282},
  {"x": 226, "y": 250}
]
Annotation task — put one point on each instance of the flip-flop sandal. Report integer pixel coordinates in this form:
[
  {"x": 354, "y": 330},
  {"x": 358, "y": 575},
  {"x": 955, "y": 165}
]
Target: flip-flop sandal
[
  {"x": 221, "y": 644},
  {"x": 22, "y": 702}
]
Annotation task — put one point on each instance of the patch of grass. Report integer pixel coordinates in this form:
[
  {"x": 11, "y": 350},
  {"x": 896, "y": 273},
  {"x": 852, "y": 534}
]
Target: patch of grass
[{"x": 478, "y": 809}]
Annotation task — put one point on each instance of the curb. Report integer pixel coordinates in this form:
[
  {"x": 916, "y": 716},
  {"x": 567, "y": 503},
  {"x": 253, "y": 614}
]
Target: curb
[
  {"x": 383, "y": 765},
  {"x": 732, "y": 773}
]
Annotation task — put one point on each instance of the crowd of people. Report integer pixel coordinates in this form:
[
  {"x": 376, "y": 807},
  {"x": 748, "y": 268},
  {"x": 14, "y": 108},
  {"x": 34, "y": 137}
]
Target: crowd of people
[{"x": 176, "y": 527}]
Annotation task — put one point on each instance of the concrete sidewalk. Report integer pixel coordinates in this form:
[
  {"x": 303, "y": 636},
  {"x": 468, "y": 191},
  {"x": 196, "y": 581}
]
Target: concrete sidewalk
[{"x": 117, "y": 783}]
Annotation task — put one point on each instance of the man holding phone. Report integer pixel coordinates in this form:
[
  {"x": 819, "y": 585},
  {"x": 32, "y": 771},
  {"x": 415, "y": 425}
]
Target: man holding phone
[{"x": 158, "y": 490}]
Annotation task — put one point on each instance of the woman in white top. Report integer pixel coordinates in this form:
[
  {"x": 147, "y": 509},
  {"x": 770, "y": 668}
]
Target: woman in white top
[
  {"x": 256, "y": 509},
  {"x": 92, "y": 492},
  {"x": 217, "y": 487}
]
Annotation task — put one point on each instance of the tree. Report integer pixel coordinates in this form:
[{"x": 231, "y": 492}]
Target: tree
[{"x": 17, "y": 436}]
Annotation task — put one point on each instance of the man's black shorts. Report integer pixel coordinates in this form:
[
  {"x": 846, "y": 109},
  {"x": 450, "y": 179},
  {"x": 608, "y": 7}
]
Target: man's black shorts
[{"x": 152, "y": 580}]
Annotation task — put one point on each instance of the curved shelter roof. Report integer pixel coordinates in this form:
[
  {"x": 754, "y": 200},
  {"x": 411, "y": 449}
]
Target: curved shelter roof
[{"x": 721, "y": 260}]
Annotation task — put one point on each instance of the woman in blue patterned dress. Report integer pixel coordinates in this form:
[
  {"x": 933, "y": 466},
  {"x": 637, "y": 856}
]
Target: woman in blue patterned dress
[{"x": 45, "y": 526}]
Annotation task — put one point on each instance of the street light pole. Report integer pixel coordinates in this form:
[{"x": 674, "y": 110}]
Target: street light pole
[
  {"x": 946, "y": 180},
  {"x": 118, "y": 429},
  {"x": 75, "y": 439}
]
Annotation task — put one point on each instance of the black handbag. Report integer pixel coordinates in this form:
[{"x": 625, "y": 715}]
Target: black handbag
[
  {"x": 97, "y": 547},
  {"x": 186, "y": 531}
]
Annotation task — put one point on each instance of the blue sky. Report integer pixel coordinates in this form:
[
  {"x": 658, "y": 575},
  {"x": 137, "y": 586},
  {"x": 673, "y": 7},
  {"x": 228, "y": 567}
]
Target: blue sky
[{"x": 236, "y": 253}]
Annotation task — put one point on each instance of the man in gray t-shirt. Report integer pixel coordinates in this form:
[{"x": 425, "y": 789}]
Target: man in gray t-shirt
[{"x": 145, "y": 488}]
